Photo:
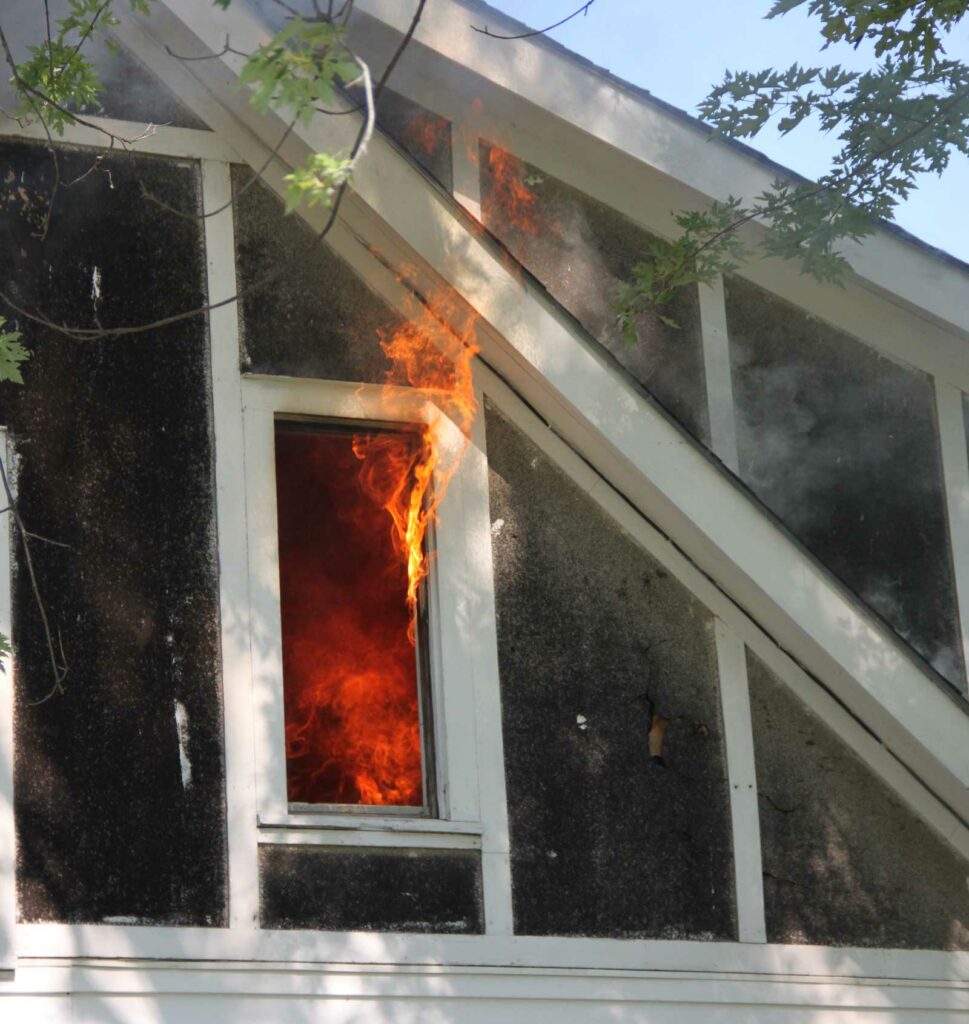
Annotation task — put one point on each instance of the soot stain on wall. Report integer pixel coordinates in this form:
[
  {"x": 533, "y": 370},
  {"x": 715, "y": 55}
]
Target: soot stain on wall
[
  {"x": 598, "y": 646},
  {"x": 842, "y": 444},
  {"x": 318, "y": 319},
  {"x": 583, "y": 252},
  {"x": 119, "y": 780},
  {"x": 371, "y": 889},
  {"x": 845, "y": 863}
]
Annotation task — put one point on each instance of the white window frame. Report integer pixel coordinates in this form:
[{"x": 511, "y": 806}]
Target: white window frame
[{"x": 453, "y": 741}]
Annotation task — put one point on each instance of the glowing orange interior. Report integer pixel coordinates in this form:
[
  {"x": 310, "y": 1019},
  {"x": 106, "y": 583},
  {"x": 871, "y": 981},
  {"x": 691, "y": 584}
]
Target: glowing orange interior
[{"x": 350, "y": 676}]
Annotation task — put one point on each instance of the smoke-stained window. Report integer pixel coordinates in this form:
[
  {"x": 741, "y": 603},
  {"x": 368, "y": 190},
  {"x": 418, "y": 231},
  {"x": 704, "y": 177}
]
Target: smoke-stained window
[
  {"x": 351, "y": 640},
  {"x": 842, "y": 445},
  {"x": 583, "y": 252}
]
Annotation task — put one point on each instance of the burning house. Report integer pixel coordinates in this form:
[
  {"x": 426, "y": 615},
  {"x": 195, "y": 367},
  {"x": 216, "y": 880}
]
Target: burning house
[{"x": 392, "y": 641}]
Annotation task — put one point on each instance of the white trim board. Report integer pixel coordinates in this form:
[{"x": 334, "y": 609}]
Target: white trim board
[
  {"x": 8, "y": 853},
  {"x": 159, "y": 140},
  {"x": 235, "y": 619},
  {"x": 247, "y": 992},
  {"x": 70, "y": 942},
  {"x": 734, "y": 627}
]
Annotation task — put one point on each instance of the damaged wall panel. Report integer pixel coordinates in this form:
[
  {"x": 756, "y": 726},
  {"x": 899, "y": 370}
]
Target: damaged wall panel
[
  {"x": 842, "y": 444},
  {"x": 583, "y": 252},
  {"x": 316, "y": 318},
  {"x": 614, "y": 756},
  {"x": 120, "y": 805},
  {"x": 371, "y": 889},
  {"x": 845, "y": 862}
]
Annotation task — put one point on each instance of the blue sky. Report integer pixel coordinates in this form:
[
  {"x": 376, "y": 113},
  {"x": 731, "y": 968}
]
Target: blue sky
[{"x": 678, "y": 50}]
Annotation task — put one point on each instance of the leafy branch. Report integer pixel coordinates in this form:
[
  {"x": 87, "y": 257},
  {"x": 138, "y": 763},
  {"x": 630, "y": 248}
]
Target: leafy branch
[{"x": 903, "y": 118}]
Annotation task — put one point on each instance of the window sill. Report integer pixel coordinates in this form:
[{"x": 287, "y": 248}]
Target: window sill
[{"x": 372, "y": 830}]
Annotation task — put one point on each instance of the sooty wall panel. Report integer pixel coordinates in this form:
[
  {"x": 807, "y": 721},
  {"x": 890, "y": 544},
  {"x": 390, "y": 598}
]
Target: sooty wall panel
[
  {"x": 314, "y": 317},
  {"x": 600, "y": 650},
  {"x": 845, "y": 862},
  {"x": 120, "y": 805},
  {"x": 369, "y": 889},
  {"x": 842, "y": 445}
]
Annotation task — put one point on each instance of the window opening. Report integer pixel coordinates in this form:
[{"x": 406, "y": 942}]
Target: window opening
[{"x": 353, "y": 615}]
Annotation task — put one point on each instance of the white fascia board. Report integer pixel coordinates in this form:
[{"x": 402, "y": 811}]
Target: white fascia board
[
  {"x": 392, "y": 952},
  {"x": 624, "y": 435},
  {"x": 576, "y": 94}
]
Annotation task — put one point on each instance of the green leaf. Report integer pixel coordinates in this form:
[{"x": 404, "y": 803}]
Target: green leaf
[{"x": 12, "y": 354}]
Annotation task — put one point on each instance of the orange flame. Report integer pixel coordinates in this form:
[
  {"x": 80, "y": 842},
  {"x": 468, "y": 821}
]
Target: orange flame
[
  {"x": 432, "y": 352},
  {"x": 427, "y": 133},
  {"x": 350, "y": 674},
  {"x": 510, "y": 205}
]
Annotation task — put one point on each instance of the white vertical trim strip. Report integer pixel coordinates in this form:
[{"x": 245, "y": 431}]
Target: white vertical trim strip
[
  {"x": 233, "y": 565},
  {"x": 744, "y": 813},
  {"x": 716, "y": 366},
  {"x": 955, "y": 472},
  {"x": 8, "y": 884},
  {"x": 496, "y": 843}
]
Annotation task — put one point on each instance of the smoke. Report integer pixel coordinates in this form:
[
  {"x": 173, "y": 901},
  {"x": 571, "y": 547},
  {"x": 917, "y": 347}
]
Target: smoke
[{"x": 841, "y": 444}]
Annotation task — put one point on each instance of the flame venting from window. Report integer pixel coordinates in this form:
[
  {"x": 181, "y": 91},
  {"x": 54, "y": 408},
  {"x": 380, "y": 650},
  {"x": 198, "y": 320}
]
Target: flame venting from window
[
  {"x": 433, "y": 352},
  {"x": 426, "y": 133},
  {"x": 510, "y": 207},
  {"x": 354, "y": 507}
]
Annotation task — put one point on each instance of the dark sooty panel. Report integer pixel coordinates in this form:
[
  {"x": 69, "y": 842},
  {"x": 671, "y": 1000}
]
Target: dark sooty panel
[
  {"x": 120, "y": 800},
  {"x": 583, "y": 252},
  {"x": 842, "y": 444},
  {"x": 597, "y": 644},
  {"x": 424, "y": 135},
  {"x": 845, "y": 862},
  {"x": 317, "y": 319},
  {"x": 371, "y": 889}
]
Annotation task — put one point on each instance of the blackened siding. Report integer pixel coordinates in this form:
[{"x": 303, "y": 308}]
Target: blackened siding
[
  {"x": 369, "y": 889},
  {"x": 597, "y": 643},
  {"x": 304, "y": 313},
  {"x": 845, "y": 862},
  {"x": 120, "y": 805}
]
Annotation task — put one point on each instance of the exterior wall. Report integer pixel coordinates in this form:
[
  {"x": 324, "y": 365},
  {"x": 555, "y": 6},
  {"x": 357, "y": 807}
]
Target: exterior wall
[{"x": 618, "y": 715}]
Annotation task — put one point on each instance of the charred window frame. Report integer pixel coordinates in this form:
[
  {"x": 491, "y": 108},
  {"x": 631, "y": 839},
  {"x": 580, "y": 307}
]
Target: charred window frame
[{"x": 451, "y": 802}]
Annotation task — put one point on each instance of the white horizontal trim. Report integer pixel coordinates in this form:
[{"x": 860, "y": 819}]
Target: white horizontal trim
[
  {"x": 54, "y": 941},
  {"x": 399, "y": 839},
  {"x": 477, "y": 994},
  {"x": 372, "y": 823},
  {"x": 161, "y": 140}
]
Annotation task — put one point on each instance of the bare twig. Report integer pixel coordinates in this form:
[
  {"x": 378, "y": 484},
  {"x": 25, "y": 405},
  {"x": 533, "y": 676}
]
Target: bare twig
[
  {"x": 399, "y": 52},
  {"x": 538, "y": 31}
]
